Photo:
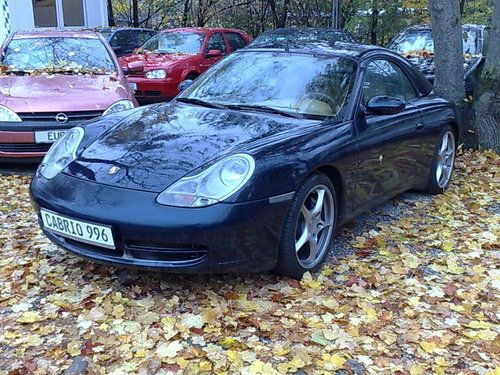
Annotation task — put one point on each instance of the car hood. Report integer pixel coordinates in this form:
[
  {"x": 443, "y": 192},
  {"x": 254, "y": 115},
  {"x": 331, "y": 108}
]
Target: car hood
[
  {"x": 156, "y": 146},
  {"x": 60, "y": 93},
  {"x": 155, "y": 60}
]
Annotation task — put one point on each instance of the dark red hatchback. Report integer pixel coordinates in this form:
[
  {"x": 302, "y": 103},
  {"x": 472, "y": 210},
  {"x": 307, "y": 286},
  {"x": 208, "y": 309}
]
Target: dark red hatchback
[
  {"x": 51, "y": 81},
  {"x": 172, "y": 56}
]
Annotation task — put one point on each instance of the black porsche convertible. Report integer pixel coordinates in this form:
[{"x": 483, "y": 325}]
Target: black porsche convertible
[{"x": 253, "y": 167}]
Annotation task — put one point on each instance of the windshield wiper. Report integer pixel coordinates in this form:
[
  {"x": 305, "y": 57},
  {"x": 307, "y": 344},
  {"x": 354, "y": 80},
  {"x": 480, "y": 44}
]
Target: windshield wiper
[
  {"x": 264, "y": 108},
  {"x": 201, "y": 103}
]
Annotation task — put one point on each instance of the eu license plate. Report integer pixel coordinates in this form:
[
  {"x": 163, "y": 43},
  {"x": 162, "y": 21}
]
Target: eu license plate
[
  {"x": 93, "y": 234},
  {"x": 48, "y": 136}
]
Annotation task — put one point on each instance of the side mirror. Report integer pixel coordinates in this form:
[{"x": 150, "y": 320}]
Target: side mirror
[
  {"x": 214, "y": 53},
  {"x": 385, "y": 105},
  {"x": 135, "y": 66},
  {"x": 117, "y": 48},
  {"x": 185, "y": 84}
]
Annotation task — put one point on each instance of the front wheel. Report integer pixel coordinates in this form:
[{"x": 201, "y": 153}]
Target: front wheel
[
  {"x": 444, "y": 162},
  {"x": 309, "y": 227}
]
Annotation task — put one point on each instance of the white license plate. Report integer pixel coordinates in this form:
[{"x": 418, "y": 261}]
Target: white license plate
[
  {"x": 93, "y": 234},
  {"x": 48, "y": 136},
  {"x": 133, "y": 85}
]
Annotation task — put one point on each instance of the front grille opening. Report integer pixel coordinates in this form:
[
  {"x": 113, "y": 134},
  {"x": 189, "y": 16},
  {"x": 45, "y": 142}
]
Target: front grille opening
[
  {"x": 92, "y": 248},
  {"x": 51, "y": 116},
  {"x": 24, "y": 147},
  {"x": 167, "y": 252}
]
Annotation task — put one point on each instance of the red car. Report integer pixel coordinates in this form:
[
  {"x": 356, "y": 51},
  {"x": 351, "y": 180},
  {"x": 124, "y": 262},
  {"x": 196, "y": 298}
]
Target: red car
[
  {"x": 51, "y": 81},
  {"x": 172, "y": 56}
]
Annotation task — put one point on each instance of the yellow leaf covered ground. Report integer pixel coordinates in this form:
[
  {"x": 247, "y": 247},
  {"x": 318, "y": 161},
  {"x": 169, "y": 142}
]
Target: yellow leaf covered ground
[{"x": 419, "y": 295}]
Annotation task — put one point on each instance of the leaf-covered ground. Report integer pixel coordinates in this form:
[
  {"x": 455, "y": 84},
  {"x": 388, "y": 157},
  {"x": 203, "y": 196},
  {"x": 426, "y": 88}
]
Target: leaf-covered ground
[{"x": 418, "y": 295}]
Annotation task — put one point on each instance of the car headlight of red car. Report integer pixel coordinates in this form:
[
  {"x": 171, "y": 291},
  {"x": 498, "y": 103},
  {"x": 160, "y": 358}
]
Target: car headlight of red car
[
  {"x": 62, "y": 153},
  {"x": 156, "y": 74},
  {"x": 213, "y": 185},
  {"x": 8, "y": 115}
]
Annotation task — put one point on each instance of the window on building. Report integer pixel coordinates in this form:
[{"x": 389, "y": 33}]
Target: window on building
[
  {"x": 45, "y": 13},
  {"x": 73, "y": 13}
]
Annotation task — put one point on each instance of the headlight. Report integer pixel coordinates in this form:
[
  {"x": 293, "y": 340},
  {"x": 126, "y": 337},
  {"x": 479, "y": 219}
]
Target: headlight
[
  {"x": 62, "y": 153},
  {"x": 156, "y": 74},
  {"x": 213, "y": 185},
  {"x": 8, "y": 115},
  {"x": 121, "y": 105}
]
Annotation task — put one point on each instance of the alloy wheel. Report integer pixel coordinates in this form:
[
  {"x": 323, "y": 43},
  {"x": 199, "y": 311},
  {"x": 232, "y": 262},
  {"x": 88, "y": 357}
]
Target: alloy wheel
[
  {"x": 445, "y": 159},
  {"x": 314, "y": 226}
]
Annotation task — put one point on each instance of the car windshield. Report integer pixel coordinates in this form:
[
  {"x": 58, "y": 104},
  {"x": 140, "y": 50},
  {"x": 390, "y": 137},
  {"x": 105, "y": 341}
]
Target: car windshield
[
  {"x": 174, "y": 43},
  {"x": 282, "y": 36},
  {"x": 415, "y": 42},
  {"x": 301, "y": 84},
  {"x": 105, "y": 33},
  {"x": 57, "y": 56}
]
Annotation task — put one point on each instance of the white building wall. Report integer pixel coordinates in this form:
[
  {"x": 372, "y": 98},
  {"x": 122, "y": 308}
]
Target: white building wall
[
  {"x": 96, "y": 12},
  {"x": 5, "y": 25},
  {"x": 22, "y": 17}
]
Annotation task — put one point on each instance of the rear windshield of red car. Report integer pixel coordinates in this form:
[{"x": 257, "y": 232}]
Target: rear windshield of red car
[
  {"x": 182, "y": 43},
  {"x": 58, "y": 55}
]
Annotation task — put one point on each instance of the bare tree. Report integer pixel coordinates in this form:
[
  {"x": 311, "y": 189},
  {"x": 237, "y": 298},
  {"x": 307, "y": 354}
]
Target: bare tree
[{"x": 448, "y": 48}]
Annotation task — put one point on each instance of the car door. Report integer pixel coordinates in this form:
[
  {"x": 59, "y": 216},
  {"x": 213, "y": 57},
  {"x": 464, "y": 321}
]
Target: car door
[
  {"x": 215, "y": 42},
  {"x": 386, "y": 143},
  {"x": 235, "y": 41},
  {"x": 123, "y": 42},
  {"x": 142, "y": 36}
]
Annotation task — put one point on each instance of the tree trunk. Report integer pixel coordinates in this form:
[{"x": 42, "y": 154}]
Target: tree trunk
[
  {"x": 447, "y": 31},
  {"x": 462, "y": 7},
  {"x": 374, "y": 22},
  {"x": 111, "y": 15},
  {"x": 486, "y": 122},
  {"x": 135, "y": 13}
]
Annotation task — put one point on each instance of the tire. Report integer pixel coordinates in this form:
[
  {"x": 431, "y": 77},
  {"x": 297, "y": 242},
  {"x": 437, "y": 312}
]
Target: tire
[
  {"x": 301, "y": 231},
  {"x": 192, "y": 76},
  {"x": 443, "y": 163}
]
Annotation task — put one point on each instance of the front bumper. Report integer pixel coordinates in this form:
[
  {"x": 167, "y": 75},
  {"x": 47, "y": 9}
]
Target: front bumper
[
  {"x": 154, "y": 90},
  {"x": 17, "y": 139},
  {"x": 221, "y": 238}
]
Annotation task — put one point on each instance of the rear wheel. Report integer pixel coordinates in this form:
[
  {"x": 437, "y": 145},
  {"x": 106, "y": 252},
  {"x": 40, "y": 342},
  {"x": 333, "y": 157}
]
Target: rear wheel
[
  {"x": 309, "y": 227},
  {"x": 444, "y": 163}
]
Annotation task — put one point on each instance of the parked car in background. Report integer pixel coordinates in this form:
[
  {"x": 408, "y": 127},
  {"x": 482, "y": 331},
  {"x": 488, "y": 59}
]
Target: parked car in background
[
  {"x": 51, "y": 81},
  {"x": 125, "y": 40},
  {"x": 172, "y": 56},
  {"x": 416, "y": 43},
  {"x": 248, "y": 169},
  {"x": 280, "y": 37}
]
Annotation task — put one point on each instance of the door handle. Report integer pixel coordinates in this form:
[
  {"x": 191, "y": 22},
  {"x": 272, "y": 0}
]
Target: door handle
[{"x": 420, "y": 126}]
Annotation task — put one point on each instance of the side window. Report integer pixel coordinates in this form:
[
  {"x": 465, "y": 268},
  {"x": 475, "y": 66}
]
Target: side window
[
  {"x": 143, "y": 36},
  {"x": 235, "y": 41},
  {"x": 123, "y": 40},
  {"x": 216, "y": 41},
  {"x": 385, "y": 78}
]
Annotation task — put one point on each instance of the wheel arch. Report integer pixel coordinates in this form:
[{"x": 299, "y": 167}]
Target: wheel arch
[
  {"x": 456, "y": 131},
  {"x": 337, "y": 180}
]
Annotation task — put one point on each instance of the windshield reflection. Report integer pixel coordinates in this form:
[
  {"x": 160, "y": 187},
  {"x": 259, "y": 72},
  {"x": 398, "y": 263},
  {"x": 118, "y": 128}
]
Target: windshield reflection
[
  {"x": 174, "y": 43},
  {"x": 57, "y": 56},
  {"x": 306, "y": 84},
  {"x": 415, "y": 42}
]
